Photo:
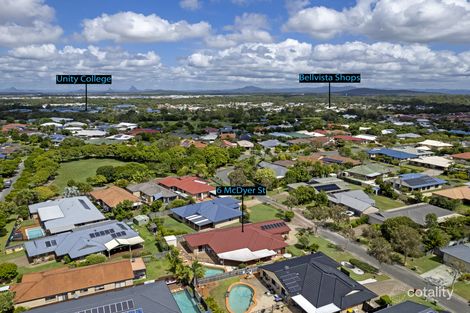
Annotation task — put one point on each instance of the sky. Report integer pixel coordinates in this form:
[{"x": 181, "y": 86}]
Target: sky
[{"x": 223, "y": 44}]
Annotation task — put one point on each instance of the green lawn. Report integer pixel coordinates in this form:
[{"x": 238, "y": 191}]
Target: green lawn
[
  {"x": 218, "y": 293},
  {"x": 402, "y": 297},
  {"x": 262, "y": 212},
  {"x": 158, "y": 268},
  {"x": 8, "y": 229},
  {"x": 337, "y": 254},
  {"x": 462, "y": 289},
  {"x": 149, "y": 239},
  {"x": 80, "y": 170},
  {"x": 423, "y": 264},
  {"x": 463, "y": 209},
  {"x": 384, "y": 203},
  {"x": 171, "y": 223},
  {"x": 39, "y": 268}
]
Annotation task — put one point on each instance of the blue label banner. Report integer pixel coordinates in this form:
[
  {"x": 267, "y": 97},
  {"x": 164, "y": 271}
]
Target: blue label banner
[
  {"x": 240, "y": 191},
  {"x": 329, "y": 78}
]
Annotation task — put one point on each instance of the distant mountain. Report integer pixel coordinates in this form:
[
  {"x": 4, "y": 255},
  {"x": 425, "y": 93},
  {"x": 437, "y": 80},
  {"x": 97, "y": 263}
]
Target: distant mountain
[
  {"x": 382, "y": 92},
  {"x": 133, "y": 89}
]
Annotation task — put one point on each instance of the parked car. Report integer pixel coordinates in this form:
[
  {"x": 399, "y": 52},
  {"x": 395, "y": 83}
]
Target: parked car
[{"x": 7, "y": 183}]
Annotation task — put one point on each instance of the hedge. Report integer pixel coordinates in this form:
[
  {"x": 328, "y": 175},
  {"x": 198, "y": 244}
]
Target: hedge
[{"x": 364, "y": 266}]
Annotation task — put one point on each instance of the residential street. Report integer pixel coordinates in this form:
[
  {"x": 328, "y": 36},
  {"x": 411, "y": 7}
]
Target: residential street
[
  {"x": 455, "y": 304},
  {"x": 13, "y": 179}
]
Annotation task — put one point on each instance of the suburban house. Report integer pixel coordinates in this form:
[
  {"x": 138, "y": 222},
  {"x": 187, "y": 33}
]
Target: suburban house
[
  {"x": 38, "y": 289},
  {"x": 328, "y": 159},
  {"x": 434, "y": 144},
  {"x": 103, "y": 237},
  {"x": 258, "y": 242},
  {"x": 461, "y": 193},
  {"x": 462, "y": 157},
  {"x": 417, "y": 182},
  {"x": 457, "y": 256},
  {"x": 408, "y": 307},
  {"x": 356, "y": 201},
  {"x": 65, "y": 214},
  {"x": 279, "y": 171},
  {"x": 153, "y": 297},
  {"x": 110, "y": 197},
  {"x": 151, "y": 191},
  {"x": 248, "y": 145},
  {"x": 435, "y": 162},
  {"x": 367, "y": 172},
  {"x": 416, "y": 212},
  {"x": 408, "y": 136},
  {"x": 188, "y": 186},
  {"x": 219, "y": 212},
  {"x": 391, "y": 153},
  {"x": 271, "y": 144},
  {"x": 314, "y": 283}
]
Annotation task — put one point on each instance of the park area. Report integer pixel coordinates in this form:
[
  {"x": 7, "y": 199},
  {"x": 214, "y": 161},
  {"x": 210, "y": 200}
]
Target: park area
[{"x": 80, "y": 170}]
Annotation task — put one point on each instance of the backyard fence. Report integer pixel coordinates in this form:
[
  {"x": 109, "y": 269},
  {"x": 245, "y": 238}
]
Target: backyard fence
[{"x": 238, "y": 272}]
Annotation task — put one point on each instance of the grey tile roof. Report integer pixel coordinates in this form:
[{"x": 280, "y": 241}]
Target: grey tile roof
[
  {"x": 272, "y": 143},
  {"x": 152, "y": 189},
  {"x": 417, "y": 213},
  {"x": 357, "y": 200},
  {"x": 80, "y": 242},
  {"x": 65, "y": 214},
  {"x": 461, "y": 252},
  {"x": 317, "y": 278},
  {"x": 279, "y": 170},
  {"x": 407, "y": 307},
  {"x": 155, "y": 297}
]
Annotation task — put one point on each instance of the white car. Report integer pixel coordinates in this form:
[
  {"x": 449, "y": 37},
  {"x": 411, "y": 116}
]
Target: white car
[{"x": 349, "y": 213}]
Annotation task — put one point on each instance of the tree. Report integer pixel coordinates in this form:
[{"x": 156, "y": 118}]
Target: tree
[
  {"x": 431, "y": 220},
  {"x": 237, "y": 177},
  {"x": 391, "y": 224},
  {"x": 8, "y": 271},
  {"x": 288, "y": 215},
  {"x": 407, "y": 240},
  {"x": 176, "y": 203},
  {"x": 156, "y": 206},
  {"x": 97, "y": 180},
  {"x": 381, "y": 249},
  {"x": 266, "y": 177},
  {"x": 435, "y": 238},
  {"x": 197, "y": 271},
  {"x": 107, "y": 171},
  {"x": 304, "y": 242},
  {"x": 6, "y": 302},
  {"x": 445, "y": 203},
  {"x": 123, "y": 210}
]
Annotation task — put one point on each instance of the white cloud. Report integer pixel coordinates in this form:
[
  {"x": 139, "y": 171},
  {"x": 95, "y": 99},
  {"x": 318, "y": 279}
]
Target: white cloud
[
  {"x": 134, "y": 27},
  {"x": 199, "y": 60},
  {"x": 294, "y": 6},
  {"x": 25, "y": 22},
  {"x": 190, "y": 4},
  {"x": 44, "y": 51},
  {"x": 249, "y": 27},
  {"x": 396, "y": 20}
]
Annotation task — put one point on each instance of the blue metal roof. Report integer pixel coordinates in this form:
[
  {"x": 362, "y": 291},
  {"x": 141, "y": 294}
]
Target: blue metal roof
[
  {"x": 213, "y": 211},
  {"x": 418, "y": 180},
  {"x": 393, "y": 153}
]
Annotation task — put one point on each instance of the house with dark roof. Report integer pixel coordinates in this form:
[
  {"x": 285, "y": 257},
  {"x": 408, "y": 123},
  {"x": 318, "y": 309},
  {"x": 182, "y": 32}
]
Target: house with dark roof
[
  {"x": 153, "y": 297},
  {"x": 151, "y": 191},
  {"x": 271, "y": 144},
  {"x": 407, "y": 307},
  {"x": 416, "y": 212},
  {"x": 315, "y": 283},
  {"x": 417, "y": 182},
  {"x": 219, "y": 212},
  {"x": 390, "y": 153},
  {"x": 65, "y": 214},
  {"x": 104, "y": 237},
  {"x": 257, "y": 242},
  {"x": 356, "y": 201},
  {"x": 187, "y": 186},
  {"x": 457, "y": 256},
  {"x": 52, "y": 286}
]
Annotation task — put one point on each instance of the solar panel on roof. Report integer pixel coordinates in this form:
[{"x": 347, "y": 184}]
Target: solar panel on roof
[
  {"x": 330, "y": 187},
  {"x": 130, "y": 303},
  {"x": 48, "y": 244},
  {"x": 106, "y": 231},
  {"x": 111, "y": 230},
  {"x": 95, "y": 310},
  {"x": 54, "y": 243},
  {"x": 101, "y": 310},
  {"x": 84, "y": 204},
  {"x": 106, "y": 309},
  {"x": 113, "y": 236},
  {"x": 102, "y": 233},
  {"x": 119, "y": 306},
  {"x": 113, "y": 308},
  {"x": 124, "y": 306},
  {"x": 122, "y": 226},
  {"x": 92, "y": 235}
]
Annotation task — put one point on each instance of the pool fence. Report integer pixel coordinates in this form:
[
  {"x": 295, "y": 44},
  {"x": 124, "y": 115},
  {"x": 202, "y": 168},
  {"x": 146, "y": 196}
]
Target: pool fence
[{"x": 237, "y": 272}]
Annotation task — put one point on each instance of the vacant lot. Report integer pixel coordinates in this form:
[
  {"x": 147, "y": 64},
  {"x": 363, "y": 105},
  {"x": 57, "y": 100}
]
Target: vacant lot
[
  {"x": 80, "y": 170},
  {"x": 262, "y": 212},
  {"x": 384, "y": 203}
]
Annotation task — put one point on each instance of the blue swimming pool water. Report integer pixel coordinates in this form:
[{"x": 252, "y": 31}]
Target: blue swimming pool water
[
  {"x": 211, "y": 271},
  {"x": 240, "y": 298},
  {"x": 34, "y": 233},
  {"x": 185, "y": 302}
]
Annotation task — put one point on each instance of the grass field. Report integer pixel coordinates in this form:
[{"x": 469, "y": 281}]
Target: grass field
[
  {"x": 262, "y": 212},
  {"x": 384, "y": 203},
  {"x": 80, "y": 170},
  {"x": 218, "y": 292},
  {"x": 8, "y": 229},
  {"x": 404, "y": 297},
  {"x": 171, "y": 223},
  {"x": 462, "y": 289},
  {"x": 423, "y": 264}
]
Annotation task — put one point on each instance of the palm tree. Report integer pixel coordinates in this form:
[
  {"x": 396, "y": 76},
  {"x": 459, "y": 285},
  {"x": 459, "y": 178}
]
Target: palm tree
[{"x": 197, "y": 271}]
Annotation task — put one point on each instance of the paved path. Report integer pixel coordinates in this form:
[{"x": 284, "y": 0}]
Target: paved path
[
  {"x": 456, "y": 304},
  {"x": 13, "y": 179}
]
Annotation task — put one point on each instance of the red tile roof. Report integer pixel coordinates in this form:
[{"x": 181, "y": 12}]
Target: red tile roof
[
  {"x": 190, "y": 184},
  {"x": 253, "y": 238},
  {"x": 348, "y": 138},
  {"x": 463, "y": 156},
  {"x": 137, "y": 131},
  {"x": 8, "y": 127},
  {"x": 113, "y": 195}
]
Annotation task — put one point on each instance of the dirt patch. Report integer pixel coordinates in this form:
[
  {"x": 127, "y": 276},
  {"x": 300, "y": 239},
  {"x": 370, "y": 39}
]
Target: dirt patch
[{"x": 390, "y": 287}]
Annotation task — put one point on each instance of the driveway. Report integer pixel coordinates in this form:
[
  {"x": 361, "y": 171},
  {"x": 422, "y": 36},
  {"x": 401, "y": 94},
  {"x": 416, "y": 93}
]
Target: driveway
[
  {"x": 222, "y": 174},
  {"x": 13, "y": 179}
]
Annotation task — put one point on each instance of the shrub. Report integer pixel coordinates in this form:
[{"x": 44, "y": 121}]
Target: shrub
[
  {"x": 364, "y": 266},
  {"x": 213, "y": 306},
  {"x": 385, "y": 300},
  {"x": 464, "y": 277},
  {"x": 8, "y": 271}
]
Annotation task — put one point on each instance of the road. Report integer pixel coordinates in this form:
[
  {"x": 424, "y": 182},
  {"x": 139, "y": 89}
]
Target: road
[
  {"x": 456, "y": 304},
  {"x": 13, "y": 179}
]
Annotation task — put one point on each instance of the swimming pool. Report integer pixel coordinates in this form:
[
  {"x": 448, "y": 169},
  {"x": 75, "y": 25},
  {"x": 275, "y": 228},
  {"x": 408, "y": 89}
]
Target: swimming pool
[
  {"x": 33, "y": 233},
  {"x": 211, "y": 271},
  {"x": 240, "y": 298},
  {"x": 185, "y": 302}
]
